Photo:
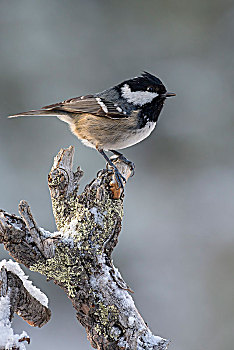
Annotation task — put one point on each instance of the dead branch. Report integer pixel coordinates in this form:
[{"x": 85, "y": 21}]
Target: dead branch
[
  {"x": 17, "y": 295},
  {"x": 78, "y": 256}
]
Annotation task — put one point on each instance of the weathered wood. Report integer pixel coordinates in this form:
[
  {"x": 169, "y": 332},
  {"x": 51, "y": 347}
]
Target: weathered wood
[
  {"x": 78, "y": 257},
  {"x": 15, "y": 298}
]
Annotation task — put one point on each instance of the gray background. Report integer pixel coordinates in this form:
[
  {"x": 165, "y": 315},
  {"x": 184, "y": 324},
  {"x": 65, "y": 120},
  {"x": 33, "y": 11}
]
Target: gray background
[{"x": 177, "y": 243}]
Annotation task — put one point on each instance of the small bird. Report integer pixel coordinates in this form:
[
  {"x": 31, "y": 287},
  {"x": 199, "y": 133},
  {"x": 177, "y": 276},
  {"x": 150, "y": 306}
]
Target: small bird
[{"x": 113, "y": 119}]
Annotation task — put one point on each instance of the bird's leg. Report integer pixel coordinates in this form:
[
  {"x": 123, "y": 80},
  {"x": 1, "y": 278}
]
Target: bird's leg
[
  {"x": 119, "y": 177},
  {"x": 125, "y": 160}
]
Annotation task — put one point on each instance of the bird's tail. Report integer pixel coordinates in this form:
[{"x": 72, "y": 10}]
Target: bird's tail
[{"x": 39, "y": 112}]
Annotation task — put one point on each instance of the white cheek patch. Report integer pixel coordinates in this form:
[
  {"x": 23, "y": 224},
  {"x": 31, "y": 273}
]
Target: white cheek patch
[{"x": 137, "y": 97}]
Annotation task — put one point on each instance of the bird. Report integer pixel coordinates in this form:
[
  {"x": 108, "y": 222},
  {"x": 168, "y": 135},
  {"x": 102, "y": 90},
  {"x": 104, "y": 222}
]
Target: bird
[{"x": 114, "y": 119}]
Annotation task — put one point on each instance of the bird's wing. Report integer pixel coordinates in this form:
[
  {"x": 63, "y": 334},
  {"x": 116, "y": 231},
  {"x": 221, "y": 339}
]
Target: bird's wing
[{"x": 88, "y": 104}]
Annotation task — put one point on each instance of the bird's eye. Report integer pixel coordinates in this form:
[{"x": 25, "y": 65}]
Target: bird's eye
[{"x": 150, "y": 89}]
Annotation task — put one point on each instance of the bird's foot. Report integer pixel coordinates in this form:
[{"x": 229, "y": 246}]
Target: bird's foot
[{"x": 119, "y": 177}]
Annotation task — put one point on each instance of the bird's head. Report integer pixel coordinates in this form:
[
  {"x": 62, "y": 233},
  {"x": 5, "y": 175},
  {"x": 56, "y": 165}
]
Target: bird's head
[{"x": 143, "y": 90}]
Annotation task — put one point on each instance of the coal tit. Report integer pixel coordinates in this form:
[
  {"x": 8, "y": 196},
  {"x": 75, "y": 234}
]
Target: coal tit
[{"x": 115, "y": 118}]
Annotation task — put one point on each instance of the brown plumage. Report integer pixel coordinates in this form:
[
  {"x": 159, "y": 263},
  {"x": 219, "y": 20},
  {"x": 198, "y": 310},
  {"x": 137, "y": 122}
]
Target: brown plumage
[{"x": 103, "y": 133}]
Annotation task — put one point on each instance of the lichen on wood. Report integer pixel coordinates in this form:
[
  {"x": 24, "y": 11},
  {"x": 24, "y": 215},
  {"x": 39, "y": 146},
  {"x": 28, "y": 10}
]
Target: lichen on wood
[{"x": 78, "y": 256}]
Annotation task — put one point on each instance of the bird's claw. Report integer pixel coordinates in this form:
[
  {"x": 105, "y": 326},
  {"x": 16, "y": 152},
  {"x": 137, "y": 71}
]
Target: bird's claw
[{"x": 119, "y": 178}]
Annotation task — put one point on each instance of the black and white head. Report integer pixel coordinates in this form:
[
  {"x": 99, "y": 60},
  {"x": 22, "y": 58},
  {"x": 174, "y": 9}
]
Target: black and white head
[
  {"x": 145, "y": 93},
  {"x": 143, "y": 90}
]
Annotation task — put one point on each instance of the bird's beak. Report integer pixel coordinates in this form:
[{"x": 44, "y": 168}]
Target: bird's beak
[{"x": 168, "y": 94}]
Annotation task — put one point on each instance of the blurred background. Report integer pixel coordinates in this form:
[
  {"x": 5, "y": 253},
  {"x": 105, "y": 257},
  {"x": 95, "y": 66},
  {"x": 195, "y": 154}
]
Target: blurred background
[{"x": 176, "y": 249}]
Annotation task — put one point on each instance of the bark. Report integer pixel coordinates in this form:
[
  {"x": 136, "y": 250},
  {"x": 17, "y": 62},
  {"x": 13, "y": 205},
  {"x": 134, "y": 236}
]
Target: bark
[
  {"x": 17, "y": 299},
  {"x": 78, "y": 256}
]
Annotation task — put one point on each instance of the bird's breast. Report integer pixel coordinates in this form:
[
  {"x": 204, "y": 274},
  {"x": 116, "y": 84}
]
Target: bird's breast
[{"x": 131, "y": 137}]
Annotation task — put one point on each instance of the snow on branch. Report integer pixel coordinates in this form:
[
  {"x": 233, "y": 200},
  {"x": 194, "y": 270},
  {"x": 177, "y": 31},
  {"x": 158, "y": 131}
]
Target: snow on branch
[
  {"x": 35, "y": 292},
  {"x": 18, "y": 295},
  {"x": 78, "y": 256}
]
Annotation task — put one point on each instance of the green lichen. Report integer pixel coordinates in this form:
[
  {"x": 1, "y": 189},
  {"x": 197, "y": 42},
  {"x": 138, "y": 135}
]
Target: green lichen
[
  {"x": 88, "y": 234},
  {"x": 72, "y": 264},
  {"x": 63, "y": 210},
  {"x": 63, "y": 269},
  {"x": 106, "y": 316}
]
